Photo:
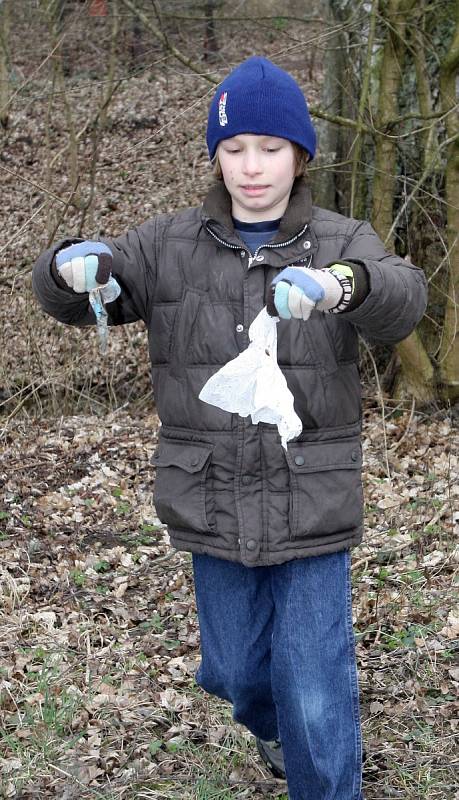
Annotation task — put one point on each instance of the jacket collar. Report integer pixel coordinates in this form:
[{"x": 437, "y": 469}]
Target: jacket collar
[{"x": 216, "y": 211}]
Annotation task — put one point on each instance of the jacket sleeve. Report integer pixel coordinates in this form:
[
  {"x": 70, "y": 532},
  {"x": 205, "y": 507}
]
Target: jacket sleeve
[
  {"x": 397, "y": 295},
  {"x": 134, "y": 267}
]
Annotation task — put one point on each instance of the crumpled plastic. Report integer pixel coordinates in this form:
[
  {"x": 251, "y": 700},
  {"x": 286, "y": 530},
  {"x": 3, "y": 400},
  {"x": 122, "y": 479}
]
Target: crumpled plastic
[
  {"x": 253, "y": 384},
  {"x": 98, "y": 298}
]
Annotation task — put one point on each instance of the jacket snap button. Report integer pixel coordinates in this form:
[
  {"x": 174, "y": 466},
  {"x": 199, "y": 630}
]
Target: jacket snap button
[
  {"x": 299, "y": 461},
  {"x": 354, "y": 455},
  {"x": 242, "y": 253},
  {"x": 239, "y": 328},
  {"x": 307, "y": 244},
  {"x": 194, "y": 461},
  {"x": 251, "y": 544},
  {"x": 246, "y": 479}
]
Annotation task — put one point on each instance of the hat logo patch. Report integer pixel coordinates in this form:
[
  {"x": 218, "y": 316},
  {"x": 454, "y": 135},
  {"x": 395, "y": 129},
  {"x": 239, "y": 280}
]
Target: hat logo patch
[{"x": 222, "y": 118}]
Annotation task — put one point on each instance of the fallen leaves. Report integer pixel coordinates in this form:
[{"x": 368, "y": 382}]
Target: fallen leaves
[
  {"x": 451, "y": 629},
  {"x": 100, "y": 640}
]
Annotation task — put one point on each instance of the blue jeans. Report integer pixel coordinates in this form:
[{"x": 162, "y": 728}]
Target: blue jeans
[{"x": 277, "y": 642}]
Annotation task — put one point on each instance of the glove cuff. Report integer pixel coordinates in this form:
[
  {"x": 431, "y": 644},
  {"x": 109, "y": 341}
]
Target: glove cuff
[
  {"x": 359, "y": 279},
  {"x": 345, "y": 276},
  {"x": 57, "y": 277}
]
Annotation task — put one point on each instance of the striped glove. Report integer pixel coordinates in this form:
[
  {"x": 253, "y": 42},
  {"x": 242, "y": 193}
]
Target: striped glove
[
  {"x": 298, "y": 290},
  {"x": 85, "y": 266}
]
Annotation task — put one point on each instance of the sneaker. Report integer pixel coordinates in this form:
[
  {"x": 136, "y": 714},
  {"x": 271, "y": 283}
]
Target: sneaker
[{"x": 272, "y": 755}]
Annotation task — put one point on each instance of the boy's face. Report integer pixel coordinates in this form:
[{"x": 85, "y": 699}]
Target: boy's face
[{"x": 258, "y": 172}]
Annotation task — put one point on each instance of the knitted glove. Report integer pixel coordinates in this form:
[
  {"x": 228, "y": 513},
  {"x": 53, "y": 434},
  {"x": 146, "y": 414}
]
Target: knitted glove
[
  {"x": 298, "y": 290},
  {"x": 85, "y": 265}
]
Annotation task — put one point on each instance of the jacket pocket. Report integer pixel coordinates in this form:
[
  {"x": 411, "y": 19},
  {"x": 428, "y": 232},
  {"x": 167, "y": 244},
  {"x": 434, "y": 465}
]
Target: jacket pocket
[
  {"x": 325, "y": 487},
  {"x": 182, "y": 495}
]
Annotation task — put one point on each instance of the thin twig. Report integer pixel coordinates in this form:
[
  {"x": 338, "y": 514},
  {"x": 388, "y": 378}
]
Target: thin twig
[
  {"x": 78, "y": 782},
  {"x": 33, "y": 73},
  {"x": 383, "y": 408},
  {"x": 150, "y": 26},
  {"x": 18, "y": 233},
  {"x": 406, "y": 431},
  {"x": 35, "y": 185},
  {"x": 396, "y": 548},
  {"x": 91, "y": 121},
  {"x": 425, "y": 174},
  {"x": 64, "y": 212},
  {"x": 164, "y": 127}
]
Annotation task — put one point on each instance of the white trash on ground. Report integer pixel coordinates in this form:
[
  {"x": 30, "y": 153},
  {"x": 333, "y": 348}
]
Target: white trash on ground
[{"x": 253, "y": 384}]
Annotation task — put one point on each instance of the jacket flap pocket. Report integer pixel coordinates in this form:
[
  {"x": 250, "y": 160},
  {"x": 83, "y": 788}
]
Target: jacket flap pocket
[
  {"x": 188, "y": 456},
  {"x": 320, "y": 456}
]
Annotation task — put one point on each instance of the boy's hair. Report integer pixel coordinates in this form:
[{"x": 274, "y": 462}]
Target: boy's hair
[{"x": 301, "y": 159}]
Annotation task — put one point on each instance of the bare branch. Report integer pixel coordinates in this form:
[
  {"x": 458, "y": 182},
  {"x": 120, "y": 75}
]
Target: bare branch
[
  {"x": 35, "y": 185},
  {"x": 18, "y": 233},
  {"x": 146, "y": 21}
]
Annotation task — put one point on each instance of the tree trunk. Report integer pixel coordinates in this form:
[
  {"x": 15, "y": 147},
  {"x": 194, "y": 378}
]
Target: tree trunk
[
  {"x": 417, "y": 376},
  {"x": 325, "y": 182},
  {"x": 210, "y": 36},
  {"x": 449, "y": 350},
  {"x": 429, "y": 138},
  {"x": 391, "y": 70},
  {"x": 357, "y": 184}
]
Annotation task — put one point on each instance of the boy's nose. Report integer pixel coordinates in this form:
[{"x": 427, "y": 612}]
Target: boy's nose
[{"x": 251, "y": 165}]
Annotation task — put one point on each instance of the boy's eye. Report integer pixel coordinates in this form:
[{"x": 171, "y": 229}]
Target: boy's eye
[{"x": 234, "y": 150}]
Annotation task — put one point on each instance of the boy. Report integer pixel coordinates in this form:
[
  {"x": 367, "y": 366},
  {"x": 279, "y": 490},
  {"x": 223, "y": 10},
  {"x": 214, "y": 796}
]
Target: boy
[{"x": 270, "y": 532}]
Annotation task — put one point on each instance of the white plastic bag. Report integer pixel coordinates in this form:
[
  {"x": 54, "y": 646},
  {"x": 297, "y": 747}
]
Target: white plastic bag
[{"x": 252, "y": 383}]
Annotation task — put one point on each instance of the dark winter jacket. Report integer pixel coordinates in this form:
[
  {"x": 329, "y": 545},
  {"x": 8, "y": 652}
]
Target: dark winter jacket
[{"x": 224, "y": 486}]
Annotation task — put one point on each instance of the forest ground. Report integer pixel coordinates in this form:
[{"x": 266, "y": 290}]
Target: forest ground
[{"x": 100, "y": 640}]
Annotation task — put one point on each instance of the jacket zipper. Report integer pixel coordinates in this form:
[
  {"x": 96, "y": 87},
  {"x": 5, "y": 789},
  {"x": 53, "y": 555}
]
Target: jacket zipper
[{"x": 255, "y": 255}]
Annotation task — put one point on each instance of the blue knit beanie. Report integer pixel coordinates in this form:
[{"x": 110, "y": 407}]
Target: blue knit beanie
[{"x": 258, "y": 97}]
